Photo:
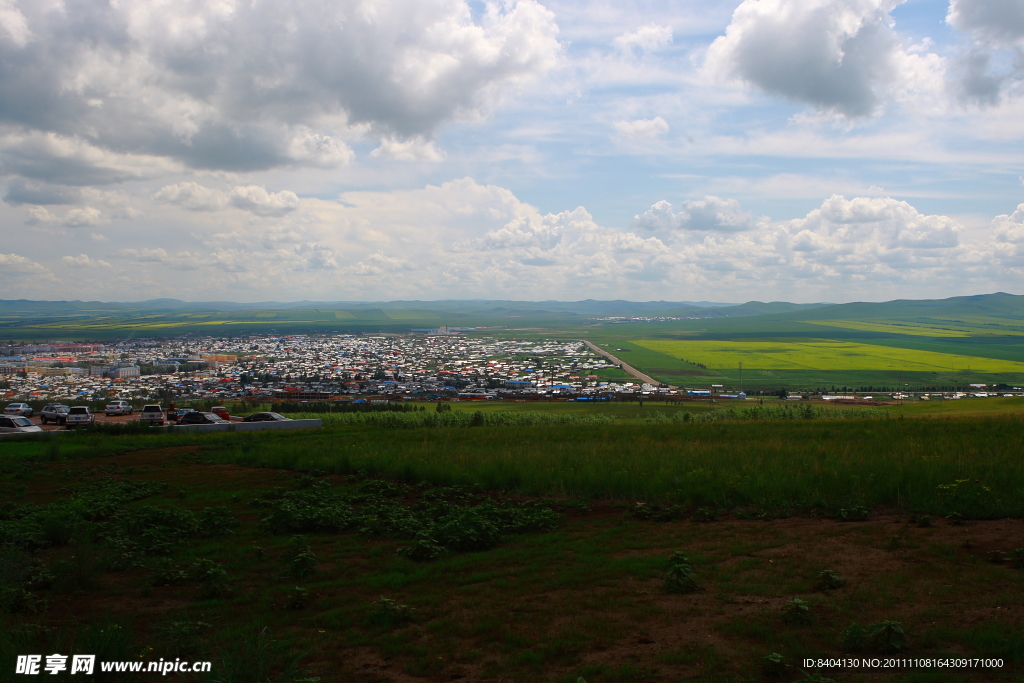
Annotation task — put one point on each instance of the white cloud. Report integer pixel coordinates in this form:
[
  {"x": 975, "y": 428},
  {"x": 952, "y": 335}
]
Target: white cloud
[
  {"x": 413, "y": 149},
  {"x": 84, "y": 261},
  {"x": 648, "y": 38},
  {"x": 642, "y": 128},
  {"x": 996, "y": 22},
  {"x": 192, "y": 196},
  {"x": 244, "y": 86},
  {"x": 839, "y": 56},
  {"x": 253, "y": 198},
  {"x": 256, "y": 199},
  {"x": 83, "y": 218},
  {"x": 97, "y": 237},
  {"x": 710, "y": 214},
  {"x": 21, "y": 277}
]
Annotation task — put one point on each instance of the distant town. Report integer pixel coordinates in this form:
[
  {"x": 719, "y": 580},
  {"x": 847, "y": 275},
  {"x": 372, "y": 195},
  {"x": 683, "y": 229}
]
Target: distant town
[{"x": 308, "y": 368}]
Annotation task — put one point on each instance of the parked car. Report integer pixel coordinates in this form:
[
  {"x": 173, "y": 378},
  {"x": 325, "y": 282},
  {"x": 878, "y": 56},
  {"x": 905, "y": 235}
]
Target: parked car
[
  {"x": 152, "y": 414},
  {"x": 17, "y": 424},
  {"x": 194, "y": 417},
  {"x": 265, "y": 417},
  {"x": 118, "y": 408},
  {"x": 79, "y": 416},
  {"x": 23, "y": 409},
  {"x": 54, "y": 412},
  {"x": 181, "y": 413},
  {"x": 221, "y": 412}
]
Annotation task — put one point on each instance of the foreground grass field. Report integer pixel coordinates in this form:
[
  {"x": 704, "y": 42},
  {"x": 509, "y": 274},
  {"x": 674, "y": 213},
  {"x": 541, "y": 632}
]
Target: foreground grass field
[{"x": 275, "y": 555}]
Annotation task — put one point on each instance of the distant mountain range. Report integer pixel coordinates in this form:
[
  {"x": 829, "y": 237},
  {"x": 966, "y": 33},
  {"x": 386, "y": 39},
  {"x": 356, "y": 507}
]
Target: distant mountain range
[{"x": 999, "y": 304}]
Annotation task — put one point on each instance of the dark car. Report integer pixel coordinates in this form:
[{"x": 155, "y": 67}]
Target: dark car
[
  {"x": 194, "y": 417},
  {"x": 54, "y": 412},
  {"x": 265, "y": 417}
]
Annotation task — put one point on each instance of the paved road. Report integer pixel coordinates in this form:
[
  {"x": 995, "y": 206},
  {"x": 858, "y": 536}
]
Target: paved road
[{"x": 622, "y": 364}]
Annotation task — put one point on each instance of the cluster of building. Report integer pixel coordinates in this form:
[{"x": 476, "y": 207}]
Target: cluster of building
[{"x": 308, "y": 368}]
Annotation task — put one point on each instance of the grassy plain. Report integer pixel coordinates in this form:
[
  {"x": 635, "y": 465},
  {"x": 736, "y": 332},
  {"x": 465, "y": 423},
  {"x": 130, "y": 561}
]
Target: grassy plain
[{"x": 585, "y": 598}]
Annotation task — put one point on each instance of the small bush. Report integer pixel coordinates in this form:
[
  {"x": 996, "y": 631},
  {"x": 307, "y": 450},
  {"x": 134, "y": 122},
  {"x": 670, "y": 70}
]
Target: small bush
[
  {"x": 216, "y": 521},
  {"x": 923, "y": 521},
  {"x": 1017, "y": 558},
  {"x": 298, "y": 598},
  {"x": 854, "y": 637},
  {"x": 388, "y": 613},
  {"x": 857, "y": 513},
  {"x": 887, "y": 636},
  {"x": 679, "y": 578},
  {"x": 467, "y": 531},
  {"x": 168, "y": 573},
  {"x": 705, "y": 515},
  {"x": 212, "y": 577},
  {"x": 184, "y": 637},
  {"x": 773, "y": 665},
  {"x": 17, "y": 600},
  {"x": 300, "y": 558},
  {"x": 828, "y": 580},
  {"x": 796, "y": 612},
  {"x": 423, "y": 550}
]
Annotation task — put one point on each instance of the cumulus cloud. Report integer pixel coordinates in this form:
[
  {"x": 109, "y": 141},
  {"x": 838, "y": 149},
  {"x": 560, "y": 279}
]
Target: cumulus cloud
[
  {"x": 23, "y": 277},
  {"x": 256, "y": 199},
  {"x": 413, "y": 149},
  {"x": 993, "y": 25},
  {"x": 192, "y": 196},
  {"x": 836, "y": 55},
  {"x": 647, "y": 38},
  {"x": 641, "y": 128},
  {"x": 82, "y": 218},
  {"x": 253, "y": 198},
  {"x": 21, "y": 192},
  {"x": 105, "y": 90},
  {"x": 997, "y": 22},
  {"x": 84, "y": 261},
  {"x": 710, "y": 214},
  {"x": 441, "y": 241}
]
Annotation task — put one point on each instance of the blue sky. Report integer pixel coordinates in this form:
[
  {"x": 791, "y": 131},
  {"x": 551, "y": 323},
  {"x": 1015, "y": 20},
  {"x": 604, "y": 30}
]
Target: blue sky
[{"x": 771, "y": 149}]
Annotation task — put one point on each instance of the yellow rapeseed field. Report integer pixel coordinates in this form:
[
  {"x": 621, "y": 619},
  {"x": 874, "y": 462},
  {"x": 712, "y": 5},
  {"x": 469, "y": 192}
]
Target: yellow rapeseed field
[{"x": 821, "y": 354}]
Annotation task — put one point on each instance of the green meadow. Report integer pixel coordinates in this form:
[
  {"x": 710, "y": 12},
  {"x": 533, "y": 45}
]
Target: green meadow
[{"x": 543, "y": 548}]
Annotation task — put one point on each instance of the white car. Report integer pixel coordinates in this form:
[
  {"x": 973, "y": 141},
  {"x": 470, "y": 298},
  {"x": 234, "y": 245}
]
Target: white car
[
  {"x": 23, "y": 409},
  {"x": 17, "y": 424},
  {"x": 118, "y": 408},
  {"x": 79, "y": 416},
  {"x": 152, "y": 414}
]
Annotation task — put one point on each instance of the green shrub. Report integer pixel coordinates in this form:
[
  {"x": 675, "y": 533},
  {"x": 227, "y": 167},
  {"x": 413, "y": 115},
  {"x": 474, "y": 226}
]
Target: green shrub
[
  {"x": 827, "y": 580},
  {"x": 679, "y": 578},
  {"x": 857, "y": 513},
  {"x": 773, "y": 665},
  {"x": 298, "y": 598},
  {"x": 887, "y": 636},
  {"x": 854, "y": 637},
  {"x": 468, "y": 531},
  {"x": 796, "y": 612},
  {"x": 423, "y": 550},
  {"x": 388, "y": 613},
  {"x": 301, "y": 562}
]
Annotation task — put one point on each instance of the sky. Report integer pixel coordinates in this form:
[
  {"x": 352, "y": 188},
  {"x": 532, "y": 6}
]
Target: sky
[{"x": 373, "y": 150}]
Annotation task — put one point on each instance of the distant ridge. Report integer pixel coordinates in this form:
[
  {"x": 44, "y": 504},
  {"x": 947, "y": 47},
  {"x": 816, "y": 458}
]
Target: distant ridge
[
  {"x": 747, "y": 309},
  {"x": 998, "y": 304}
]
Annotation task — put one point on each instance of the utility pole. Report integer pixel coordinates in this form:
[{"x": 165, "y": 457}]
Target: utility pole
[{"x": 741, "y": 378}]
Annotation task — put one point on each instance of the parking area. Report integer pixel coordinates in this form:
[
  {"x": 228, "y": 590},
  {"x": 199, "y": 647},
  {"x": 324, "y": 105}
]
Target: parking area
[{"x": 100, "y": 418}]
